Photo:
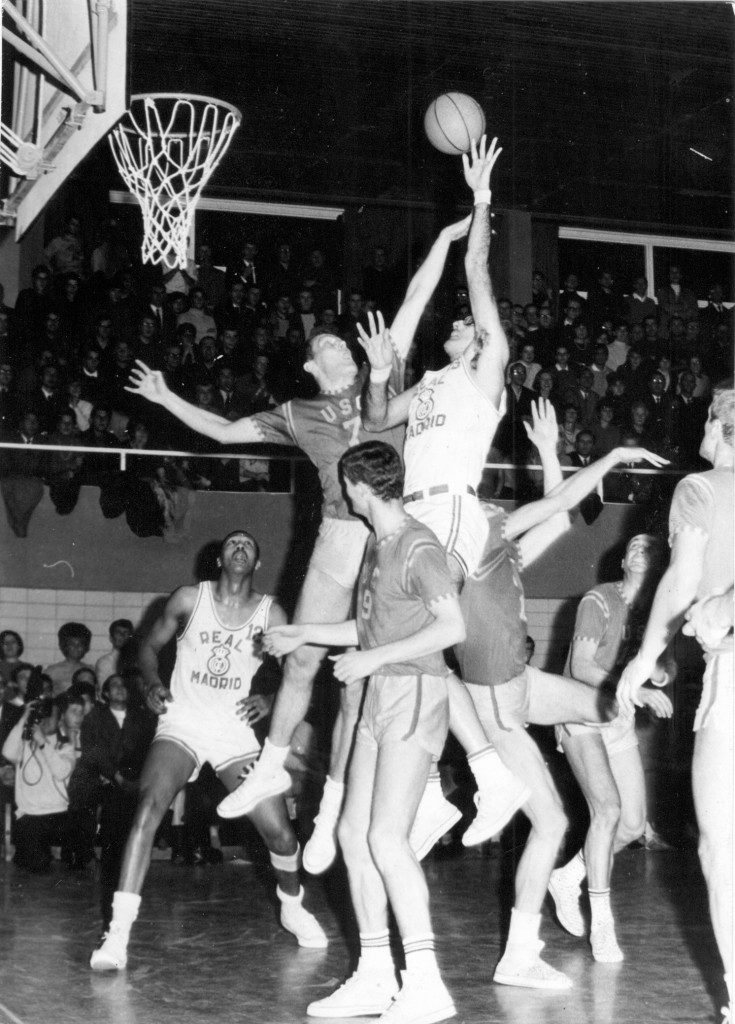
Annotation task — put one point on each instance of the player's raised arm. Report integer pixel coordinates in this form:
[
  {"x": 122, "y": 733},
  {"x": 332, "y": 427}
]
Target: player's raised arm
[
  {"x": 422, "y": 286},
  {"x": 380, "y": 411},
  {"x": 493, "y": 355},
  {"x": 150, "y": 384}
]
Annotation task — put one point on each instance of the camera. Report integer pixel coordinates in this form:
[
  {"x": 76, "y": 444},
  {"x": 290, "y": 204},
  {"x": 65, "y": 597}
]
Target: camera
[{"x": 41, "y": 707}]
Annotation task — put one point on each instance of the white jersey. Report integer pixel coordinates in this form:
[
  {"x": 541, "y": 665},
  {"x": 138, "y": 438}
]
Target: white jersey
[
  {"x": 215, "y": 664},
  {"x": 451, "y": 424}
]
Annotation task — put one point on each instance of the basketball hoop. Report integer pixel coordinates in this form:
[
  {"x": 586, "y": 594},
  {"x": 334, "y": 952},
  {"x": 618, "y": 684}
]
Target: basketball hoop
[{"x": 166, "y": 148}]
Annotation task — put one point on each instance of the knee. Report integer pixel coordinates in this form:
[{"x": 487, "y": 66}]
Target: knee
[
  {"x": 301, "y": 667},
  {"x": 353, "y": 844},
  {"x": 606, "y": 814},
  {"x": 149, "y": 812},
  {"x": 552, "y": 824},
  {"x": 385, "y": 847},
  {"x": 281, "y": 841},
  {"x": 632, "y": 825}
]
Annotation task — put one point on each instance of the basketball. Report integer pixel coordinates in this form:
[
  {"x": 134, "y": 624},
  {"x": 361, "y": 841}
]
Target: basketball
[{"x": 452, "y": 121}]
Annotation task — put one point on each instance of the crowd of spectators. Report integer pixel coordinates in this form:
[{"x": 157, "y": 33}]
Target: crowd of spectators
[
  {"x": 619, "y": 369},
  {"x": 231, "y": 340},
  {"x": 73, "y": 740}
]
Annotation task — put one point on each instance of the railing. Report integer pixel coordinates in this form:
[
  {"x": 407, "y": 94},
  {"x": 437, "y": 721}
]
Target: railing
[{"x": 257, "y": 452}]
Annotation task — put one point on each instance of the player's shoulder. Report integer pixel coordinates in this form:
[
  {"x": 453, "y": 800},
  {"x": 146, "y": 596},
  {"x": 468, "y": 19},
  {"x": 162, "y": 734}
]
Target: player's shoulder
[
  {"x": 184, "y": 599},
  {"x": 416, "y": 539},
  {"x": 601, "y": 596}
]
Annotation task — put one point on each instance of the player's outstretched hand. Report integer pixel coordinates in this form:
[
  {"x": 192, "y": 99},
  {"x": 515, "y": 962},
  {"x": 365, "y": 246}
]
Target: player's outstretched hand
[
  {"x": 543, "y": 430},
  {"x": 656, "y": 702},
  {"x": 454, "y": 232},
  {"x": 282, "y": 640},
  {"x": 353, "y": 666},
  {"x": 478, "y": 164},
  {"x": 711, "y": 618},
  {"x": 148, "y": 383},
  {"x": 377, "y": 344},
  {"x": 252, "y": 709},
  {"x": 630, "y": 455},
  {"x": 157, "y": 696}
]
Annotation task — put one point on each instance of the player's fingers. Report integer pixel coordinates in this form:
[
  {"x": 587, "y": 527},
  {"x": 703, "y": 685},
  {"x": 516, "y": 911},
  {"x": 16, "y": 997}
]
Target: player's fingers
[
  {"x": 142, "y": 365},
  {"x": 381, "y": 322},
  {"x": 371, "y": 322},
  {"x": 465, "y": 163}
]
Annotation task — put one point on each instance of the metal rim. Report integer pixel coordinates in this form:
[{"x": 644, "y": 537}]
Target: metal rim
[{"x": 187, "y": 96}]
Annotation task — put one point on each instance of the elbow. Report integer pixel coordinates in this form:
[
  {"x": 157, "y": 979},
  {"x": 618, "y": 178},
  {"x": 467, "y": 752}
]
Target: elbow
[
  {"x": 371, "y": 425},
  {"x": 459, "y": 634}
]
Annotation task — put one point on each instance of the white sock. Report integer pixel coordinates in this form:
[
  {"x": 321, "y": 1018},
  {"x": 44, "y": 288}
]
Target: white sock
[
  {"x": 484, "y": 765},
  {"x": 375, "y": 954},
  {"x": 420, "y": 955},
  {"x": 575, "y": 870},
  {"x": 273, "y": 757},
  {"x": 523, "y": 931},
  {"x": 600, "y": 908},
  {"x": 284, "y": 897},
  {"x": 125, "y": 906},
  {"x": 332, "y": 797}
]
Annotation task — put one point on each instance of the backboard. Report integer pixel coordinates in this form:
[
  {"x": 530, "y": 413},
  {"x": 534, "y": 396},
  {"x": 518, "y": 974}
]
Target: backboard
[{"x": 64, "y": 87}]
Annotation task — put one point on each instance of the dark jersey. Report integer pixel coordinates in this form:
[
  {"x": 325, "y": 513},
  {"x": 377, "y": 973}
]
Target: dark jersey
[
  {"x": 324, "y": 428},
  {"x": 401, "y": 577},
  {"x": 494, "y": 612}
]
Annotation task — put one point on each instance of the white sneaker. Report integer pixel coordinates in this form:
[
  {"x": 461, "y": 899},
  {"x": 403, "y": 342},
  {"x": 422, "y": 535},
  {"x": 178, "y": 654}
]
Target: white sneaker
[
  {"x": 364, "y": 994},
  {"x": 259, "y": 783},
  {"x": 423, "y": 999},
  {"x": 435, "y": 816},
  {"x": 321, "y": 849},
  {"x": 566, "y": 893},
  {"x": 112, "y": 955},
  {"x": 605, "y": 948},
  {"x": 496, "y": 806},
  {"x": 303, "y": 925},
  {"x": 528, "y": 970}
]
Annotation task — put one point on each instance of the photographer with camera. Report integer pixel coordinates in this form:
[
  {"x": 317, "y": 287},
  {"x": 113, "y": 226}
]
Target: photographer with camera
[{"x": 44, "y": 747}]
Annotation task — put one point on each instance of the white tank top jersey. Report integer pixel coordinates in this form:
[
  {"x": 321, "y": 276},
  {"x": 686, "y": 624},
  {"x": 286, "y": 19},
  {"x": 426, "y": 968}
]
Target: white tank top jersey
[
  {"x": 451, "y": 424},
  {"x": 215, "y": 664}
]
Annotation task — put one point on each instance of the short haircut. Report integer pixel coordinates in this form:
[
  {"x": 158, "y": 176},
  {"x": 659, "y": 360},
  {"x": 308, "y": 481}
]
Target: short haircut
[
  {"x": 236, "y": 533},
  {"x": 66, "y": 699},
  {"x": 22, "y": 666},
  {"x": 122, "y": 623},
  {"x": 723, "y": 408},
  {"x": 105, "y": 689},
  {"x": 588, "y": 433},
  {"x": 101, "y": 407},
  {"x": 376, "y": 464},
  {"x": 11, "y": 632},
  {"x": 74, "y": 631},
  {"x": 82, "y": 689}
]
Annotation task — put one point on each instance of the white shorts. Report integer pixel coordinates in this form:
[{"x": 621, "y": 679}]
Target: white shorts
[
  {"x": 618, "y": 735},
  {"x": 715, "y": 709},
  {"x": 222, "y": 742},
  {"x": 339, "y": 550},
  {"x": 403, "y": 709},
  {"x": 459, "y": 524}
]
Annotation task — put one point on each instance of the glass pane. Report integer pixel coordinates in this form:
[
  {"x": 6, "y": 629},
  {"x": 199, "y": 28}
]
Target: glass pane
[
  {"x": 699, "y": 270},
  {"x": 587, "y": 259}
]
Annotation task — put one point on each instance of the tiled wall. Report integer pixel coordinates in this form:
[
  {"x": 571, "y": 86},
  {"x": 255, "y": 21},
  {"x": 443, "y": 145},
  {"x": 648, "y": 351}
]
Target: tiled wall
[{"x": 37, "y": 615}]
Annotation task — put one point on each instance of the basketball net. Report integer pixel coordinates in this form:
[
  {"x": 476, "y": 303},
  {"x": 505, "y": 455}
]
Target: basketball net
[{"x": 166, "y": 148}]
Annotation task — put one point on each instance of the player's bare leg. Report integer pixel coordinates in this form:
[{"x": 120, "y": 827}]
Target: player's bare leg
[
  {"x": 322, "y": 599},
  {"x": 712, "y": 782},
  {"x": 166, "y": 770},
  {"x": 370, "y": 990},
  {"x": 588, "y": 759},
  {"x": 271, "y": 820}
]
